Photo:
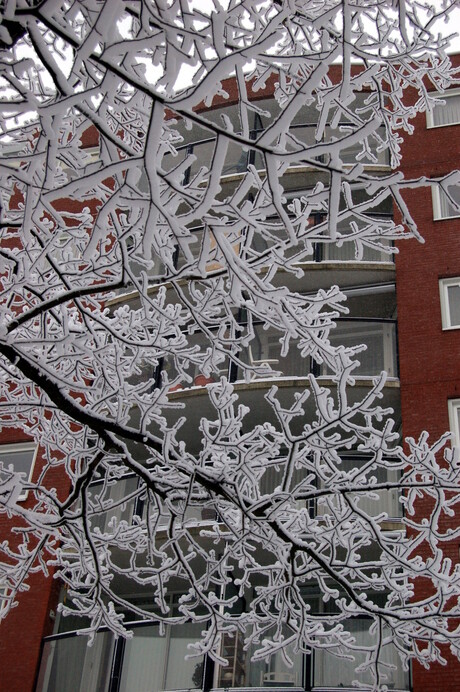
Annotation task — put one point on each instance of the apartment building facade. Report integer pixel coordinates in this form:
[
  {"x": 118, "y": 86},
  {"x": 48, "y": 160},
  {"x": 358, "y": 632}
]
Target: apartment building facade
[{"x": 407, "y": 312}]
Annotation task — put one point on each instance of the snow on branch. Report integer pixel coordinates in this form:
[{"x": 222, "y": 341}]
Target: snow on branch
[{"x": 169, "y": 175}]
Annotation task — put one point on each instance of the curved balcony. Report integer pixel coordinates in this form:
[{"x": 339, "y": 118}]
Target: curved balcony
[
  {"x": 192, "y": 158},
  {"x": 264, "y": 355},
  {"x": 267, "y": 365},
  {"x": 125, "y": 498},
  {"x": 239, "y": 158},
  {"x": 149, "y": 661},
  {"x": 326, "y": 265}
]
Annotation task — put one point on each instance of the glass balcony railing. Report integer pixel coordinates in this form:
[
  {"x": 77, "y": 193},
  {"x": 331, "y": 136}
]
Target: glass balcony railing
[
  {"x": 330, "y": 252},
  {"x": 321, "y": 252},
  {"x": 121, "y": 499},
  {"x": 194, "y": 158},
  {"x": 110, "y": 502},
  {"x": 379, "y": 337},
  {"x": 300, "y": 135},
  {"x": 157, "y": 663},
  {"x": 264, "y": 358},
  {"x": 372, "y": 502}
]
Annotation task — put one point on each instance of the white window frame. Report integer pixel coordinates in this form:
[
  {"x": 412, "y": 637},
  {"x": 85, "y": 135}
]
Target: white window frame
[
  {"x": 445, "y": 95},
  {"x": 20, "y": 447},
  {"x": 454, "y": 422},
  {"x": 444, "y": 285},
  {"x": 436, "y": 197}
]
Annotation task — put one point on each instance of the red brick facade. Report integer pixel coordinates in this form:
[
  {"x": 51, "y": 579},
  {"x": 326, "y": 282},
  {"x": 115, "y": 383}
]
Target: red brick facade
[
  {"x": 429, "y": 358},
  {"x": 22, "y": 631}
]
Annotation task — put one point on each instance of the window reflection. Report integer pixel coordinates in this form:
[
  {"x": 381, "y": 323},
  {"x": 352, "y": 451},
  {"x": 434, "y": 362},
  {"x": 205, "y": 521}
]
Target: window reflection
[
  {"x": 242, "y": 672},
  {"x": 330, "y": 671},
  {"x": 152, "y": 662},
  {"x": 70, "y": 665}
]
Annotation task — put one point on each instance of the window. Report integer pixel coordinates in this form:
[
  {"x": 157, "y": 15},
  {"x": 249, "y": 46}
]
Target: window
[
  {"x": 21, "y": 456},
  {"x": 70, "y": 665},
  {"x": 447, "y": 113},
  {"x": 328, "y": 671},
  {"x": 148, "y": 661},
  {"x": 454, "y": 420},
  {"x": 446, "y": 205},
  {"x": 449, "y": 291},
  {"x": 154, "y": 662}
]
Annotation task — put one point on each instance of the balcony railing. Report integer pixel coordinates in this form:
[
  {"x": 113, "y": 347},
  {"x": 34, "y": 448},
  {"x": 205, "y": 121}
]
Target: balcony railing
[
  {"x": 239, "y": 157},
  {"x": 122, "y": 499},
  {"x": 149, "y": 661},
  {"x": 264, "y": 353},
  {"x": 321, "y": 252},
  {"x": 372, "y": 502}
]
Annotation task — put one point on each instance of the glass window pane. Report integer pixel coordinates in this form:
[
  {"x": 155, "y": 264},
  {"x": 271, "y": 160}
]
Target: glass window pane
[
  {"x": 242, "y": 672},
  {"x": 144, "y": 661},
  {"x": 447, "y": 114},
  {"x": 236, "y": 160},
  {"x": 368, "y": 152},
  {"x": 264, "y": 351},
  {"x": 301, "y": 136},
  {"x": 70, "y": 665},
  {"x": 380, "y": 340},
  {"x": 276, "y": 673},
  {"x": 152, "y": 662},
  {"x": 203, "y": 152},
  {"x": 347, "y": 252},
  {"x": 21, "y": 458},
  {"x": 182, "y": 673},
  {"x": 453, "y": 296},
  {"x": 454, "y": 420},
  {"x": 330, "y": 671},
  {"x": 388, "y": 500},
  {"x": 446, "y": 208},
  {"x": 114, "y": 495}
]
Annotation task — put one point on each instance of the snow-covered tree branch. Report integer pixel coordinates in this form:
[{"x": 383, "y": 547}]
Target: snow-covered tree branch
[{"x": 170, "y": 170}]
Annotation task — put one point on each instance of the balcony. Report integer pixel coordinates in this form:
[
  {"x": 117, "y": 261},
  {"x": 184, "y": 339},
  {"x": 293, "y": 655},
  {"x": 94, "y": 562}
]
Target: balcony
[
  {"x": 123, "y": 499},
  {"x": 200, "y": 145},
  {"x": 321, "y": 252},
  {"x": 372, "y": 323},
  {"x": 157, "y": 663},
  {"x": 265, "y": 359}
]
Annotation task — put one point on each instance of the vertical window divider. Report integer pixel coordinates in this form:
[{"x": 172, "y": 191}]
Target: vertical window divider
[{"x": 117, "y": 661}]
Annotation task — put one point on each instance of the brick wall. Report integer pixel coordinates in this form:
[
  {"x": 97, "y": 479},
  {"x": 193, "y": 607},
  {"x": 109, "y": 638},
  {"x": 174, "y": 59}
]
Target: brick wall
[
  {"x": 429, "y": 357},
  {"x": 22, "y": 631}
]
